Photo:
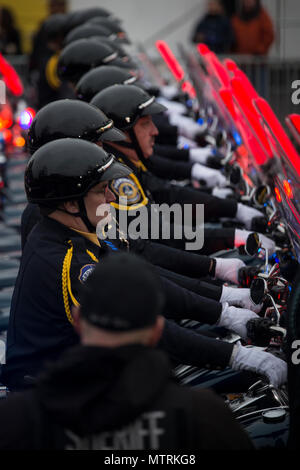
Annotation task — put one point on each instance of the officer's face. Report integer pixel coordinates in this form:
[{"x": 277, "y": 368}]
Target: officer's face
[
  {"x": 146, "y": 131},
  {"x": 97, "y": 201}
]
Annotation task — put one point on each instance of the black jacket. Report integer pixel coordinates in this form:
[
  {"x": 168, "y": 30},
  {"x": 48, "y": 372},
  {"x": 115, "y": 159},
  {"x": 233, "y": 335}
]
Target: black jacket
[
  {"x": 55, "y": 262},
  {"x": 148, "y": 189},
  {"x": 116, "y": 399},
  {"x": 182, "y": 267}
]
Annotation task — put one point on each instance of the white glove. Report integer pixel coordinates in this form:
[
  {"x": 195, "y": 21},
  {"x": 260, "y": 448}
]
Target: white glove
[
  {"x": 184, "y": 142},
  {"x": 239, "y": 298},
  {"x": 172, "y": 106},
  {"x": 240, "y": 238},
  {"x": 186, "y": 126},
  {"x": 200, "y": 155},
  {"x": 257, "y": 360},
  {"x": 169, "y": 91},
  {"x": 222, "y": 193},
  {"x": 209, "y": 175},
  {"x": 245, "y": 214},
  {"x": 227, "y": 269},
  {"x": 235, "y": 319}
]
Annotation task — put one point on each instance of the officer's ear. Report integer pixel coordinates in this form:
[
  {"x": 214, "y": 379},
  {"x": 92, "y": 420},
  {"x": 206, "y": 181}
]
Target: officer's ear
[
  {"x": 156, "y": 331},
  {"x": 71, "y": 206}
]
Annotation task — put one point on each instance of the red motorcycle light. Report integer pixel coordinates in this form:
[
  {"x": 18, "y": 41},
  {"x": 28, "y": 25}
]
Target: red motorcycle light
[
  {"x": 170, "y": 60},
  {"x": 7, "y": 135},
  {"x": 188, "y": 88},
  {"x": 19, "y": 141},
  {"x": 6, "y": 117},
  {"x": 277, "y": 194},
  {"x": 288, "y": 189},
  {"x": 203, "y": 49},
  {"x": 10, "y": 77}
]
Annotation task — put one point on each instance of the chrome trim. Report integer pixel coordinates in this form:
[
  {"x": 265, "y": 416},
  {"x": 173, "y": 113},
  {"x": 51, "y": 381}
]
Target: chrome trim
[
  {"x": 110, "y": 57},
  {"x": 105, "y": 128},
  {"x": 107, "y": 165},
  {"x": 130, "y": 80},
  {"x": 261, "y": 411},
  {"x": 147, "y": 103}
]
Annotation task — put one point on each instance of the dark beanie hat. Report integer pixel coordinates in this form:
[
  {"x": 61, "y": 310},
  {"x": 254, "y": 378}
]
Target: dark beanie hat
[{"x": 123, "y": 293}]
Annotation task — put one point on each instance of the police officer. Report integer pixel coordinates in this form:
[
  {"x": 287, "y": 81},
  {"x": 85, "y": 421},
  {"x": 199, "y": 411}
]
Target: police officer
[
  {"x": 82, "y": 55},
  {"x": 168, "y": 161},
  {"x": 64, "y": 118},
  {"x": 117, "y": 377},
  {"x": 71, "y": 118},
  {"x": 69, "y": 178},
  {"x": 131, "y": 109}
]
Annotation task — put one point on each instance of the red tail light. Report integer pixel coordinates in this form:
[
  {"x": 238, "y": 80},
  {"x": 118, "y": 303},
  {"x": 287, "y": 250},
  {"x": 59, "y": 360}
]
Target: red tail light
[
  {"x": 288, "y": 189},
  {"x": 6, "y": 117},
  {"x": 11, "y": 78}
]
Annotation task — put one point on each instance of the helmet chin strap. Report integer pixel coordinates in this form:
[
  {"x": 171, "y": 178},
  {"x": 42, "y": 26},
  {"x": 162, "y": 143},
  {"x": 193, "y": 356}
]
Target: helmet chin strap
[
  {"x": 84, "y": 217},
  {"x": 82, "y": 214},
  {"x": 134, "y": 145}
]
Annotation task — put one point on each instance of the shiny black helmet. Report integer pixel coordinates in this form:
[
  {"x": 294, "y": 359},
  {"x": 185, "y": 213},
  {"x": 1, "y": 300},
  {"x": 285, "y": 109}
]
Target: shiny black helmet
[
  {"x": 79, "y": 17},
  {"x": 125, "y": 104},
  {"x": 82, "y": 55},
  {"x": 70, "y": 118},
  {"x": 86, "y": 31},
  {"x": 100, "y": 78},
  {"x": 66, "y": 169},
  {"x": 124, "y": 59},
  {"x": 114, "y": 28},
  {"x": 55, "y": 26}
]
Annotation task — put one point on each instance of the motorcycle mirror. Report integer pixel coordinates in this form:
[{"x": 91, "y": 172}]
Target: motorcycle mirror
[
  {"x": 252, "y": 244},
  {"x": 235, "y": 175},
  {"x": 258, "y": 290},
  {"x": 261, "y": 195},
  {"x": 221, "y": 138}
]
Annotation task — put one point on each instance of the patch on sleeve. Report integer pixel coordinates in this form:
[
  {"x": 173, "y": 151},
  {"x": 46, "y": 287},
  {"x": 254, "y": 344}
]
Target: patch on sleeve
[
  {"x": 128, "y": 187},
  {"x": 85, "y": 272}
]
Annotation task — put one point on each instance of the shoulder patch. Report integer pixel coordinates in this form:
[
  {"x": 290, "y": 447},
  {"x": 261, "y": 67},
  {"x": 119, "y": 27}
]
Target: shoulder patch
[
  {"x": 85, "y": 272},
  {"x": 129, "y": 187},
  {"x": 126, "y": 187}
]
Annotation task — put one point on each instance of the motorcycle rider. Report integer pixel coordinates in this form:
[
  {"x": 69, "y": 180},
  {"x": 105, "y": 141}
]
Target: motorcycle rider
[
  {"x": 131, "y": 109},
  {"x": 71, "y": 118},
  {"x": 69, "y": 178},
  {"x": 117, "y": 376}
]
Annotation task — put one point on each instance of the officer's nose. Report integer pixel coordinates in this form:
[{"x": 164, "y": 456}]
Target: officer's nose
[
  {"x": 109, "y": 195},
  {"x": 154, "y": 130}
]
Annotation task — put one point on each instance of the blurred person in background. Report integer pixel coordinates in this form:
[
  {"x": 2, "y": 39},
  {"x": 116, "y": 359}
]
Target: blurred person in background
[
  {"x": 214, "y": 28},
  {"x": 10, "y": 42},
  {"x": 253, "y": 29},
  {"x": 46, "y": 44}
]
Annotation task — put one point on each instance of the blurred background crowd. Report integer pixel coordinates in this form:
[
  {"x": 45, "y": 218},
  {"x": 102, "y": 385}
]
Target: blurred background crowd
[{"x": 262, "y": 35}]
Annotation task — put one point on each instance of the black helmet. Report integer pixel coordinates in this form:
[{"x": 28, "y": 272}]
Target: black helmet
[
  {"x": 124, "y": 60},
  {"x": 81, "y": 56},
  {"x": 66, "y": 169},
  {"x": 114, "y": 28},
  {"x": 70, "y": 118},
  {"x": 125, "y": 104},
  {"x": 79, "y": 17},
  {"x": 100, "y": 78},
  {"x": 55, "y": 26},
  {"x": 85, "y": 31}
]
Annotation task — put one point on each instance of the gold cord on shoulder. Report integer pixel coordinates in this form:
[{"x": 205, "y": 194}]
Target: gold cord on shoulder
[{"x": 66, "y": 281}]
